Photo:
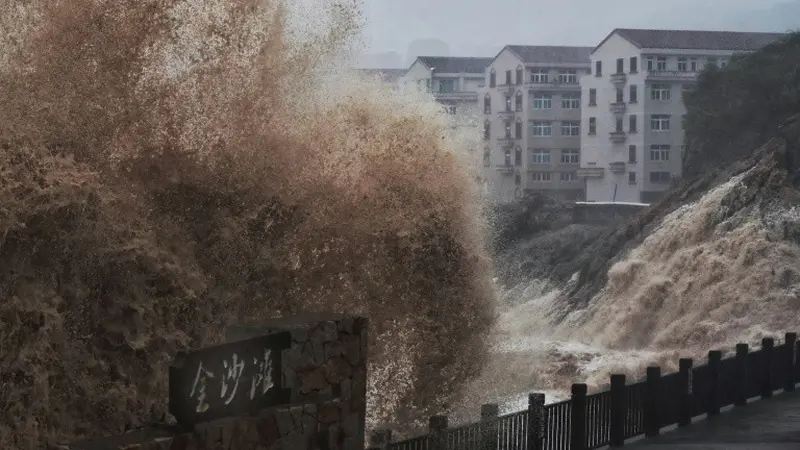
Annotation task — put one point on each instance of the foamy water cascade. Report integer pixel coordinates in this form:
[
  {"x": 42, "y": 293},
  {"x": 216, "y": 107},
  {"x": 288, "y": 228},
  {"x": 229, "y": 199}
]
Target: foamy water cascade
[{"x": 712, "y": 273}]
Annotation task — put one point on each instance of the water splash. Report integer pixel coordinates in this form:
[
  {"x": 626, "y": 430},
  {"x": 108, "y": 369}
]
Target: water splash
[{"x": 172, "y": 167}]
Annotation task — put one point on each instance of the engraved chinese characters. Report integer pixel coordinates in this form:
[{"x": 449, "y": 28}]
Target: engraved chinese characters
[{"x": 230, "y": 379}]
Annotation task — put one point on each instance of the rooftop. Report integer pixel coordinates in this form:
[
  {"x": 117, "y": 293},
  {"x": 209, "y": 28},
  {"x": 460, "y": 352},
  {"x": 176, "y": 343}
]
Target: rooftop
[
  {"x": 696, "y": 39},
  {"x": 552, "y": 54},
  {"x": 456, "y": 64}
]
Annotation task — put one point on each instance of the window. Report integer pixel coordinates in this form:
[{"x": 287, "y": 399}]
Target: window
[
  {"x": 540, "y": 76},
  {"x": 492, "y": 78},
  {"x": 540, "y": 176},
  {"x": 571, "y": 128},
  {"x": 661, "y": 63},
  {"x": 683, "y": 65},
  {"x": 568, "y": 76},
  {"x": 723, "y": 63},
  {"x": 507, "y": 127},
  {"x": 570, "y": 156},
  {"x": 598, "y": 69},
  {"x": 693, "y": 65},
  {"x": 632, "y": 123},
  {"x": 660, "y": 177},
  {"x": 620, "y": 95},
  {"x": 631, "y": 154},
  {"x": 618, "y": 125},
  {"x": 651, "y": 65},
  {"x": 571, "y": 101},
  {"x": 540, "y": 157},
  {"x": 517, "y": 156},
  {"x": 569, "y": 176},
  {"x": 542, "y": 101},
  {"x": 631, "y": 177},
  {"x": 520, "y": 75},
  {"x": 659, "y": 152},
  {"x": 592, "y": 125},
  {"x": 447, "y": 86},
  {"x": 487, "y": 157},
  {"x": 592, "y": 97},
  {"x": 634, "y": 68},
  {"x": 659, "y": 122},
  {"x": 542, "y": 128},
  {"x": 518, "y": 129},
  {"x": 487, "y": 104},
  {"x": 660, "y": 92},
  {"x": 508, "y": 78},
  {"x": 633, "y": 94},
  {"x": 508, "y": 103},
  {"x": 487, "y": 130},
  {"x": 518, "y": 102},
  {"x": 507, "y": 157},
  {"x": 620, "y": 65},
  {"x": 517, "y": 179}
]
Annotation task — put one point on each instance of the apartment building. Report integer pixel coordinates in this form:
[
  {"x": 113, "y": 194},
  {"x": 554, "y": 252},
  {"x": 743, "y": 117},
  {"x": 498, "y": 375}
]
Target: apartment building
[
  {"x": 531, "y": 130},
  {"x": 453, "y": 81},
  {"x": 632, "y": 137}
]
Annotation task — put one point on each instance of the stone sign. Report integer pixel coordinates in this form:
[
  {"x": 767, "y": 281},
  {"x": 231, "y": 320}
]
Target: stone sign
[{"x": 232, "y": 379}]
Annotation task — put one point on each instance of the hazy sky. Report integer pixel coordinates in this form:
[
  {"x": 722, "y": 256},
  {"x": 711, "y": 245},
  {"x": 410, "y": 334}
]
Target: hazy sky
[{"x": 479, "y": 25}]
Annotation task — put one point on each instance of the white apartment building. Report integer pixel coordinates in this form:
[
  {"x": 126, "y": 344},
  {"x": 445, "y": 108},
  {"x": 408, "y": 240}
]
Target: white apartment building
[
  {"x": 633, "y": 110},
  {"x": 532, "y": 112},
  {"x": 454, "y": 83}
]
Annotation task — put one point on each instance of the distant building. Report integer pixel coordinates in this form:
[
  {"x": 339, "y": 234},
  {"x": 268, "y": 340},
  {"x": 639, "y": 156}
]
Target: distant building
[
  {"x": 388, "y": 76},
  {"x": 531, "y": 105},
  {"x": 632, "y": 135},
  {"x": 454, "y": 83}
]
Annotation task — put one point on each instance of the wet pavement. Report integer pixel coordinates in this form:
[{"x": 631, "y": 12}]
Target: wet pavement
[{"x": 763, "y": 424}]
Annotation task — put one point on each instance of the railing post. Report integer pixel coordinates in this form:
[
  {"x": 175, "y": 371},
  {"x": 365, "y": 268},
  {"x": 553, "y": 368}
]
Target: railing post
[
  {"x": 619, "y": 410},
  {"x": 380, "y": 439},
  {"x": 741, "y": 374},
  {"x": 489, "y": 413},
  {"x": 714, "y": 363},
  {"x": 437, "y": 430},
  {"x": 651, "y": 408},
  {"x": 767, "y": 350},
  {"x": 685, "y": 400},
  {"x": 797, "y": 363},
  {"x": 790, "y": 362},
  {"x": 578, "y": 417},
  {"x": 536, "y": 422}
]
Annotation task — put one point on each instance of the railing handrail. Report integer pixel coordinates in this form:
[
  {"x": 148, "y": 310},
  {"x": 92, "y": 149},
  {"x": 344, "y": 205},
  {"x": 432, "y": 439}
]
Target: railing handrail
[{"x": 627, "y": 410}]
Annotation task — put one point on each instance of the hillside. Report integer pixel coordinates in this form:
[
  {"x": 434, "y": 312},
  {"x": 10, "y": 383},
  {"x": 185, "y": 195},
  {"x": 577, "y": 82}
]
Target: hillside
[{"x": 740, "y": 117}]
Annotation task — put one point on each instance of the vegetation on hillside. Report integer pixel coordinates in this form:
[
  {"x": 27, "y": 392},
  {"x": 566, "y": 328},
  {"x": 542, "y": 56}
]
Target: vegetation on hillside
[{"x": 734, "y": 110}]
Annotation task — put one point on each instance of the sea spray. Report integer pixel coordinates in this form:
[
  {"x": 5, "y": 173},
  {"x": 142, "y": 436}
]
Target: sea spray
[{"x": 169, "y": 168}]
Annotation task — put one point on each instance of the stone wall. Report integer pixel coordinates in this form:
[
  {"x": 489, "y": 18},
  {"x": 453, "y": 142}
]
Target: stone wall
[
  {"x": 605, "y": 214},
  {"x": 325, "y": 371}
]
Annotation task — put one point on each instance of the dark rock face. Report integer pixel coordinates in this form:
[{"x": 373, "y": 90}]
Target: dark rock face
[{"x": 325, "y": 370}]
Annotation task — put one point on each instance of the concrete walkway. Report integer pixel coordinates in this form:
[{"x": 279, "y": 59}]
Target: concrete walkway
[{"x": 763, "y": 424}]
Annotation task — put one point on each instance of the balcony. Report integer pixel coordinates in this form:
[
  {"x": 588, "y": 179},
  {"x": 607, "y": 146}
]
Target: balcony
[
  {"x": 506, "y": 112},
  {"x": 552, "y": 86},
  {"x": 618, "y": 137},
  {"x": 456, "y": 95},
  {"x": 505, "y": 140},
  {"x": 617, "y": 167},
  {"x": 505, "y": 168},
  {"x": 591, "y": 172},
  {"x": 618, "y": 107},
  {"x": 618, "y": 78},
  {"x": 670, "y": 75}
]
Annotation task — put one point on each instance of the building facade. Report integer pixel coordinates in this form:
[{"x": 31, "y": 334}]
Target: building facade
[
  {"x": 531, "y": 129},
  {"x": 632, "y": 115},
  {"x": 454, "y": 83}
]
